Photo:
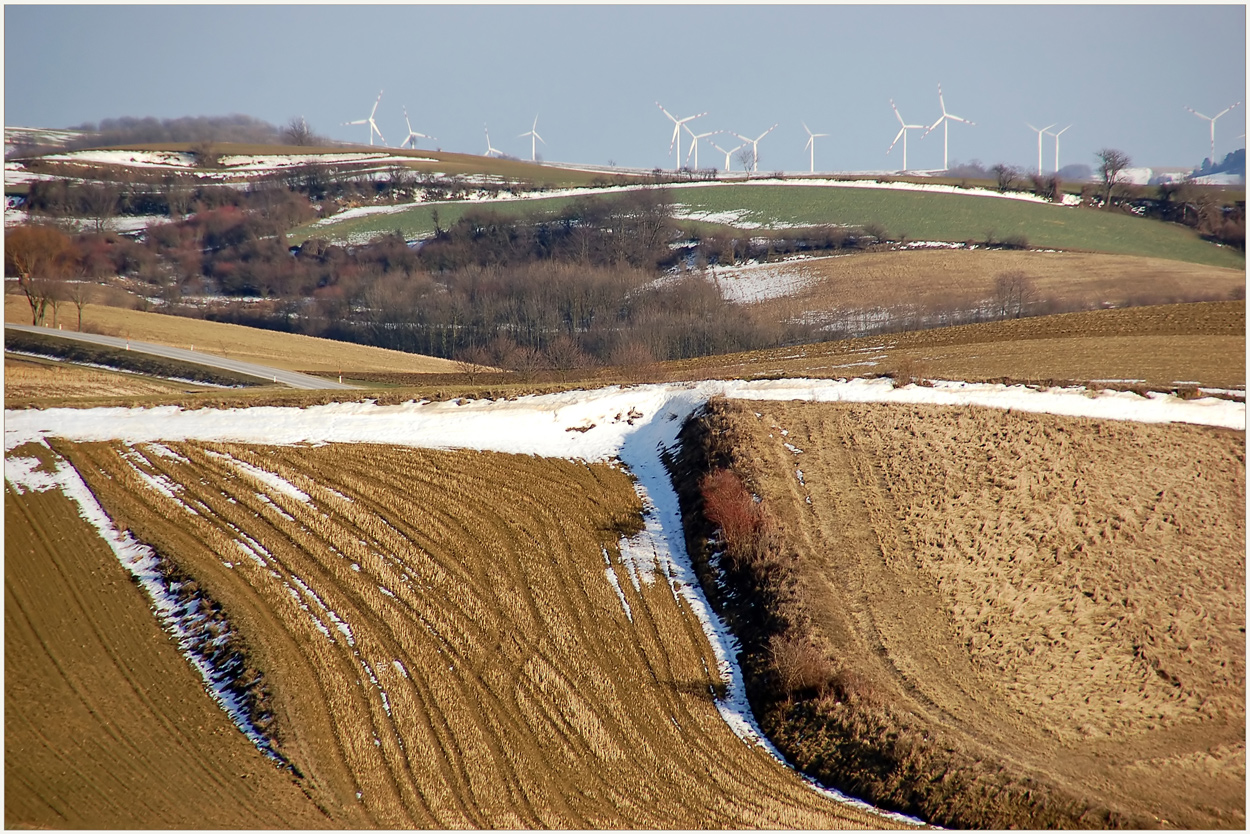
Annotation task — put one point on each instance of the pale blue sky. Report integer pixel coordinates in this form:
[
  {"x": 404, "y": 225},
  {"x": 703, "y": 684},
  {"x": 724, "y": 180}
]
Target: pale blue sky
[{"x": 1121, "y": 75}]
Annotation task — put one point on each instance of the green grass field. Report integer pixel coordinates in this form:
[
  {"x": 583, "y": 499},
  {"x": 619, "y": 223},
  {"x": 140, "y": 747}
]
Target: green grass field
[
  {"x": 918, "y": 215},
  {"x": 956, "y": 217}
]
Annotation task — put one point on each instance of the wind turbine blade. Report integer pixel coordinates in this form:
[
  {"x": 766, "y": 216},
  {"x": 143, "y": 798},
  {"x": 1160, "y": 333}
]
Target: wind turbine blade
[
  {"x": 665, "y": 112},
  {"x": 770, "y": 130},
  {"x": 896, "y": 138},
  {"x": 1196, "y": 113},
  {"x": 810, "y": 140},
  {"x": 808, "y": 129},
  {"x": 896, "y": 113},
  {"x": 540, "y": 139}
]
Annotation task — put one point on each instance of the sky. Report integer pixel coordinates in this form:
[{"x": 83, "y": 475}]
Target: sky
[{"x": 1120, "y": 75}]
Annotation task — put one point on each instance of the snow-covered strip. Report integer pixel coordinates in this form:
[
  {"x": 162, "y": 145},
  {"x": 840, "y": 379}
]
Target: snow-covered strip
[
  {"x": 610, "y": 572},
  {"x": 794, "y": 449},
  {"x": 760, "y": 282},
  {"x": 275, "y": 482},
  {"x": 162, "y": 451},
  {"x": 141, "y": 562},
  {"x": 25, "y": 475},
  {"x": 538, "y": 424},
  {"x": 160, "y": 483}
]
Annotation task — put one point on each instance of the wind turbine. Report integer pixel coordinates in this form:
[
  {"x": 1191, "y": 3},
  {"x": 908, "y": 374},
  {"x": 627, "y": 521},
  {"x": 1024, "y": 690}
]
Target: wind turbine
[
  {"x": 534, "y": 139},
  {"x": 726, "y": 153},
  {"x": 811, "y": 144},
  {"x": 373, "y": 126},
  {"x": 902, "y": 132},
  {"x": 1212, "y": 119},
  {"x": 755, "y": 147},
  {"x": 1040, "y": 131},
  {"x": 945, "y": 120},
  {"x": 412, "y": 134},
  {"x": 1057, "y": 135},
  {"x": 694, "y": 143},
  {"x": 677, "y": 123},
  {"x": 490, "y": 150}
]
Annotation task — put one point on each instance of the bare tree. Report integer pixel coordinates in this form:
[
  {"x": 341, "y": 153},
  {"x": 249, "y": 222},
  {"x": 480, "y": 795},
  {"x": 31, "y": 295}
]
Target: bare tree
[
  {"x": 37, "y": 255},
  {"x": 746, "y": 158},
  {"x": 101, "y": 202},
  {"x": 298, "y": 132},
  {"x": 80, "y": 293},
  {"x": 1111, "y": 163},
  {"x": 1005, "y": 175},
  {"x": 1014, "y": 292},
  {"x": 564, "y": 355}
]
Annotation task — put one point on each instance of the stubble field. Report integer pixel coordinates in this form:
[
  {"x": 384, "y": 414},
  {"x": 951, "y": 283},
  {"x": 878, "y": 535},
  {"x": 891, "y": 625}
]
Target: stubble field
[
  {"x": 954, "y": 280},
  {"x": 451, "y": 639},
  {"x": 1063, "y": 596}
]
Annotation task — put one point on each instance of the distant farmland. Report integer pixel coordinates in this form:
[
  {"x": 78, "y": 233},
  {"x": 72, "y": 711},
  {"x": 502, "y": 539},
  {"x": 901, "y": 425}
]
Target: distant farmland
[{"x": 915, "y": 215}]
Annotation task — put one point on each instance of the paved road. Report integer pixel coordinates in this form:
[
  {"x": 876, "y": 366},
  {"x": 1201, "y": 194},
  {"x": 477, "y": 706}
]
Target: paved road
[{"x": 290, "y": 378}]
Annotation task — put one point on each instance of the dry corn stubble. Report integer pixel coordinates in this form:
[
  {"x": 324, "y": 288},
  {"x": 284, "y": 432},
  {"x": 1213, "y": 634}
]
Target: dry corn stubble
[
  {"x": 441, "y": 637},
  {"x": 106, "y": 725},
  {"x": 1063, "y": 595}
]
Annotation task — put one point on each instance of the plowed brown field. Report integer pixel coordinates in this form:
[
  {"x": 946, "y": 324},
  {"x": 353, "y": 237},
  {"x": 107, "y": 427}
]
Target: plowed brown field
[
  {"x": 1063, "y": 596},
  {"x": 442, "y": 636}
]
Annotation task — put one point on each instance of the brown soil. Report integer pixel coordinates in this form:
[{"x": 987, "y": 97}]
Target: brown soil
[
  {"x": 105, "y": 724},
  {"x": 1063, "y": 597},
  {"x": 517, "y": 692}
]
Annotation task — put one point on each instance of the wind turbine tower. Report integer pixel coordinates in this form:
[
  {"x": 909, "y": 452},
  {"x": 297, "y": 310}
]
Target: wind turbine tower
[
  {"x": 694, "y": 143},
  {"x": 755, "y": 147},
  {"x": 1039, "y": 131},
  {"x": 726, "y": 153},
  {"x": 902, "y": 132},
  {"x": 677, "y": 123},
  {"x": 1057, "y": 135},
  {"x": 489, "y": 149},
  {"x": 411, "y": 141},
  {"x": 373, "y": 126},
  {"x": 945, "y": 120},
  {"x": 811, "y": 145},
  {"x": 1212, "y": 119},
  {"x": 534, "y": 139}
]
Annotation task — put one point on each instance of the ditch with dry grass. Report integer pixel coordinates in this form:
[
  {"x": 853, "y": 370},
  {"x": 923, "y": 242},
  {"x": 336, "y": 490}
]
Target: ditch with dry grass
[{"x": 975, "y": 616}]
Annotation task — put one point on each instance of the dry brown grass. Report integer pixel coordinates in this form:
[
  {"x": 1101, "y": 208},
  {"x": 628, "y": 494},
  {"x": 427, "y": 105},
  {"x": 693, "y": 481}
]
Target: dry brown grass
[
  {"x": 288, "y": 351},
  {"x": 1203, "y": 343},
  {"x": 517, "y": 691},
  {"x": 1054, "y": 601},
  {"x": 48, "y": 383},
  {"x": 961, "y": 278}
]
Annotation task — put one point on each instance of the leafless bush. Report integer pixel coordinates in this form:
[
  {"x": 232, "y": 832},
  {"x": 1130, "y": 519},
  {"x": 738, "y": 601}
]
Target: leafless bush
[
  {"x": 1014, "y": 293},
  {"x": 798, "y": 665}
]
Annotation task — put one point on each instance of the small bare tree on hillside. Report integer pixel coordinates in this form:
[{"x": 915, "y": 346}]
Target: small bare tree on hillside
[
  {"x": 1111, "y": 164},
  {"x": 298, "y": 132},
  {"x": 1005, "y": 175},
  {"x": 1014, "y": 292}
]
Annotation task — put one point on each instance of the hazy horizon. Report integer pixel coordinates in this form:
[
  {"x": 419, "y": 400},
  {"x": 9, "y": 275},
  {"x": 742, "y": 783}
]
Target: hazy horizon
[{"x": 593, "y": 75}]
